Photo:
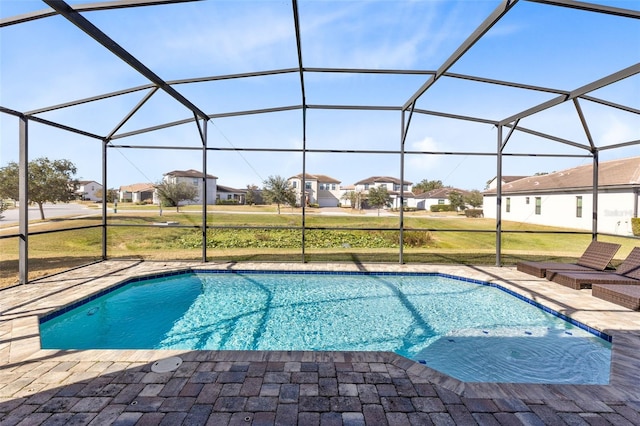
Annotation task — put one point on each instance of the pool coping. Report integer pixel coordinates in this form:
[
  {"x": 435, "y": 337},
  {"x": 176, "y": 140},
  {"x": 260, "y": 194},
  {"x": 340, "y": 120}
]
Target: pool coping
[{"x": 20, "y": 324}]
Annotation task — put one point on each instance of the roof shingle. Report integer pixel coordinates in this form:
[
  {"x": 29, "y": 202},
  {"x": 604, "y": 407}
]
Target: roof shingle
[{"x": 623, "y": 172}]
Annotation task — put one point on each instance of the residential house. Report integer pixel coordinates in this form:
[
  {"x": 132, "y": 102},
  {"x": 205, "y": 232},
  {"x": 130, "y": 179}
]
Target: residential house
[
  {"x": 89, "y": 190},
  {"x": 565, "y": 198},
  {"x": 225, "y": 194},
  {"x": 137, "y": 193},
  {"x": 438, "y": 196},
  {"x": 195, "y": 178},
  {"x": 318, "y": 189},
  {"x": 394, "y": 187}
]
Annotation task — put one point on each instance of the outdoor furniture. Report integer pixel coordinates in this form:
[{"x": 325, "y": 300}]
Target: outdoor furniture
[
  {"x": 623, "y": 295},
  {"x": 627, "y": 273},
  {"x": 595, "y": 258}
]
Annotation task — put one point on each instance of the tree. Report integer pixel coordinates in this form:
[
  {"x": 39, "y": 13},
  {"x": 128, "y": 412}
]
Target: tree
[
  {"x": 456, "y": 200},
  {"x": 355, "y": 199},
  {"x": 253, "y": 195},
  {"x": 379, "y": 197},
  {"x": 172, "y": 194},
  {"x": 277, "y": 191},
  {"x": 474, "y": 199},
  {"x": 112, "y": 194},
  {"x": 50, "y": 181},
  {"x": 426, "y": 185}
]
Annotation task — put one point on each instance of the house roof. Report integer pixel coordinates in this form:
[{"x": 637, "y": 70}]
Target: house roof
[
  {"x": 138, "y": 187},
  {"x": 614, "y": 173},
  {"x": 319, "y": 178},
  {"x": 507, "y": 179},
  {"x": 221, "y": 188},
  {"x": 382, "y": 179},
  {"x": 440, "y": 193},
  {"x": 188, "y": 173},
  {"x": 406, "y": 194},
  {"x": 87, "y": 182}
]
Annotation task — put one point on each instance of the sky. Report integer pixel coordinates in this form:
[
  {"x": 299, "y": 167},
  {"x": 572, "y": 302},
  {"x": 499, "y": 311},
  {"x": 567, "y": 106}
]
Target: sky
[{"x": 49, "y": 62}]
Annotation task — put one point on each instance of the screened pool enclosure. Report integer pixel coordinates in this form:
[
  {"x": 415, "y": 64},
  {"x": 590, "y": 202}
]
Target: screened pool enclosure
[{"x": 457, "y": 92}]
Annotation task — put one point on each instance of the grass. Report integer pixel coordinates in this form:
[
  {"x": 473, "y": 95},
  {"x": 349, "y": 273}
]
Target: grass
[{"x": 428, "y": 238}]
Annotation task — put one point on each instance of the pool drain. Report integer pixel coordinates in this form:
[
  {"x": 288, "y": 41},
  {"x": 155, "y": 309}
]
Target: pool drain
[{"x": 166, "y": 365}]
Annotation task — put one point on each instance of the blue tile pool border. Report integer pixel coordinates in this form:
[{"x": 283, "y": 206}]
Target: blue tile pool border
[{"x": 51, "y": 315}]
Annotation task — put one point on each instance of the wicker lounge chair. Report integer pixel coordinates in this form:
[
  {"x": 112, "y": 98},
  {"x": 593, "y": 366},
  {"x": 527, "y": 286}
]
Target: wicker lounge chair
[
  {"x": 627, "y": 273},
  {"x": 623, "y": 295},
  {"x": 595, "y": 258}
]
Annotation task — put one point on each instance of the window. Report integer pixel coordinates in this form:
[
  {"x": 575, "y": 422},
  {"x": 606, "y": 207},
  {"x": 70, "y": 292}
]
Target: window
[
  {"x": 526, "y": 200},
  {"x": 396, "y": 187},
  {"x": 307, "y": 185},
  {"x": 579, "y": 206},
  {"x": 195, "y": 181},
  {"x": 366, "y": 186},
  {"x": 441, "y": 201},
  {"x": 538, "y": 205},
  {"x": 508, "y": 206},
  {"x": 333, "y": 186},
  {"x": 294, "y": 184}
]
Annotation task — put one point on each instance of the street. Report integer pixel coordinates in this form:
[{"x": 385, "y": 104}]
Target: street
[{"x": 10, "y": 216}]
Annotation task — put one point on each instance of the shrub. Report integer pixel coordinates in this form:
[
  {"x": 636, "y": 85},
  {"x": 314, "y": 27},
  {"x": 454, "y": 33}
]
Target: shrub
[
  {"x": 442, "y": 208},
  {"x": 635, "y": 226},
  {"x": 417, "y": 238},
  {"x": 227, "y": 202},
  {"x": 474, "y": 213},
  {"x": 289, "y": 238}
]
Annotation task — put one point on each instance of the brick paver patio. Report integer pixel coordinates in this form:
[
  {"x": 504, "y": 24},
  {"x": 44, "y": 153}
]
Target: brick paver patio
[{"x": 100, "y": 387}]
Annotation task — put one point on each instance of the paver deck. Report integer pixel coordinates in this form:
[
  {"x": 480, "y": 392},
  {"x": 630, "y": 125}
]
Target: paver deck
[{"x": 100, "y": 387}]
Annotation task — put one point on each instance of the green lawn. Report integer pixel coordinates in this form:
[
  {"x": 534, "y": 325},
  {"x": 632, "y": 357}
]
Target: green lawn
[{"x": 345, "y": 238}]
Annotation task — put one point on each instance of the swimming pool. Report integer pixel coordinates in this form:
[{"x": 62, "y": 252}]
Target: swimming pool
[{"x": 465, "y": 328}]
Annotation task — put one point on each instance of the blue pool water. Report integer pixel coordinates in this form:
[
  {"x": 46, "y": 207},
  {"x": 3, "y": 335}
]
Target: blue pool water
[{"x": 473, "y": 332}]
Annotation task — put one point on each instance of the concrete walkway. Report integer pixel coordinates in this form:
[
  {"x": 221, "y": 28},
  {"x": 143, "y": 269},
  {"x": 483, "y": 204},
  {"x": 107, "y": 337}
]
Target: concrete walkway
[{"x": 100, "y": 387}]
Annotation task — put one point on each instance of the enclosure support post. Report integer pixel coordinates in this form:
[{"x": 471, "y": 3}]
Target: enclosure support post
[
  {"x": 304, "y": 183},
  {"x": 105, "y": 197},
  {"x": 499, "y": 199},
  {"x": 23, "y": 199},
  {"x": 401, "y": 224},
  {"x": 594, "y": 228},
  {"x": 204, "y": 190}
]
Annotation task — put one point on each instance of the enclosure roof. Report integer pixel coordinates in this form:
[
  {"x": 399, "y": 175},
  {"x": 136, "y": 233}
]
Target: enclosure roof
[{"x": 561, "y": 76}]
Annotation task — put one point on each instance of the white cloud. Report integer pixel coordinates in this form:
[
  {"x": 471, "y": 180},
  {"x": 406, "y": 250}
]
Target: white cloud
[{"x": 422, "y": 163}]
